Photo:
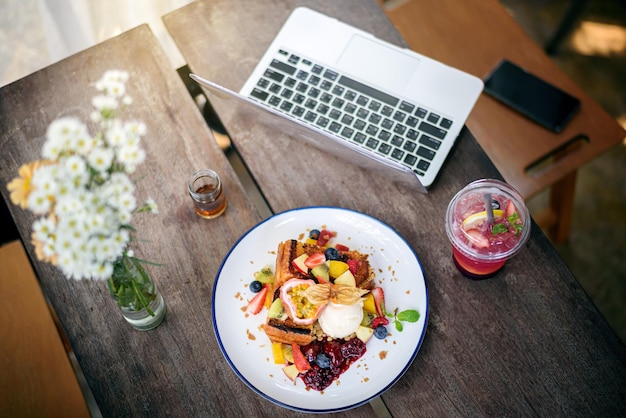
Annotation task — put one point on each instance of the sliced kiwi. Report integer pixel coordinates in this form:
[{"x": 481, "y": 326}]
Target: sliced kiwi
[
  {"x": 367, "y": 318},
  {"x": 288, "y": 353},
  {"x": 276, "y": 310},
  {"x": 265, "y": 275}
]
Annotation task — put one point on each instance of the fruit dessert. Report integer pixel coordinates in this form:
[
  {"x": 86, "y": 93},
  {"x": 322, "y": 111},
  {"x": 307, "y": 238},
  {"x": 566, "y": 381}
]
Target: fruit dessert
[
  {"x": 300, "y": 266},
  {"x": 322, "y": 308}
]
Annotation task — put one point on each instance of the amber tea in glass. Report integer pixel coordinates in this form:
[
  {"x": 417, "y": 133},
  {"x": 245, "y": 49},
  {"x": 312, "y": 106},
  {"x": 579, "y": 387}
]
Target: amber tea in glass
[{"x": 205, "y": 189}]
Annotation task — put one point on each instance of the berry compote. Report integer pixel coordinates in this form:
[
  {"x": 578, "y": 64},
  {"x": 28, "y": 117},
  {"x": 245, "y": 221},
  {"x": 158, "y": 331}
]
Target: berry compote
[{"x": 342, "y": 353}]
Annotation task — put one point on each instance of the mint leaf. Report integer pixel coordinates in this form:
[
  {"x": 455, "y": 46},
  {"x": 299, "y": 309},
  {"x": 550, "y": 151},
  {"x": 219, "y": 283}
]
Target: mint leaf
[
  {"x": 399, "y": 326},
  {"x": 513, "y": 218},
  {"x": 410, "y": 315},
  {"x": 499, "y": 229}
]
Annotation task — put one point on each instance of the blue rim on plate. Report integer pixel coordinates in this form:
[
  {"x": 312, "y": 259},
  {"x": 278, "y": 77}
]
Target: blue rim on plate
[{"x": 247, "y": 349}]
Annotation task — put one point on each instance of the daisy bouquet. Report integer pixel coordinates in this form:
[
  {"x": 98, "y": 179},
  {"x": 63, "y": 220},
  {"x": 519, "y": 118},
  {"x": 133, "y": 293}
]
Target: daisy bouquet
[{"x": 81, "y": 190}]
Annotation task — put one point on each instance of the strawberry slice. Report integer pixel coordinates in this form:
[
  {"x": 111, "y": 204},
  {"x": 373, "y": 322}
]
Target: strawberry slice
[
  {"x": 510, "y": 209},
  {"x": 379, "y": 320},
  {"x": 379, "y": 300},
  {"x": 353, "y": 265},
  {"x": 257, "y": 302},
  {"x": 299, "y": 360},
  {"x": 476, "y": 238},
  {"x": 315, "y": 259},
  {"x": 324, "y": 237},
  {"x": 341, "y": 247}
]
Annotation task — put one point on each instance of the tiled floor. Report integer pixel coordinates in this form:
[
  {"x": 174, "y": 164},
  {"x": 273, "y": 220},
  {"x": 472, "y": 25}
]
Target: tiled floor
[{"x": 36, "y": 33}]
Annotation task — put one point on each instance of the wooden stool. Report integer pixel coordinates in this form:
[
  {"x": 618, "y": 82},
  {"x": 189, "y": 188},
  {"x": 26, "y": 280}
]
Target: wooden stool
[{"x": 474, "y": 35}]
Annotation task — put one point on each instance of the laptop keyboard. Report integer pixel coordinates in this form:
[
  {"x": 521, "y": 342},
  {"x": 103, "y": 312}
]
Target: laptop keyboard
[{"x": 392, "y": 127}]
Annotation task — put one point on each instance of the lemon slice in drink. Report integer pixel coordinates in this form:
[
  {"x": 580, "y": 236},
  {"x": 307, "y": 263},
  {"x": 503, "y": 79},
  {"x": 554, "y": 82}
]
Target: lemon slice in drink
[{"x": 477, "y": 219}]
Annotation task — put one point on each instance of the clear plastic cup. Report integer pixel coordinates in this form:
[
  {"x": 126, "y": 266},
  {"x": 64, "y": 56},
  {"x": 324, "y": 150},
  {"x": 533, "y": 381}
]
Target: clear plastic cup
[{"x": 487, "y": 223}]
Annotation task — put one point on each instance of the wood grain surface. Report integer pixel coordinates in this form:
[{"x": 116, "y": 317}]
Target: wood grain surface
[
  {"x": 176, "y": 369},
  {"x": 528, "y": 342},
  {"x": 475, "y": 35}
]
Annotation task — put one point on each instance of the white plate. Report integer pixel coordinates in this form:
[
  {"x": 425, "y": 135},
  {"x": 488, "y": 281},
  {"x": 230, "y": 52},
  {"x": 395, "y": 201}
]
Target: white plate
[{"x": 248, "y": 350}]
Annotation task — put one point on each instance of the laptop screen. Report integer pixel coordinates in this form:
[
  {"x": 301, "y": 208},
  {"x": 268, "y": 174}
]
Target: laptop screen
[{"x": 256, "y": 114}]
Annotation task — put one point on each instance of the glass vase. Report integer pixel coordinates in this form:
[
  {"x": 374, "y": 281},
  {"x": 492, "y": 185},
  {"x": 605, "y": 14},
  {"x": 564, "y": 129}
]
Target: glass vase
[{"x": 136, "y": 294}]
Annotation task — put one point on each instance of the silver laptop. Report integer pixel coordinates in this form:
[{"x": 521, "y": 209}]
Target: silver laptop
[{"x": 391, "y": 105}]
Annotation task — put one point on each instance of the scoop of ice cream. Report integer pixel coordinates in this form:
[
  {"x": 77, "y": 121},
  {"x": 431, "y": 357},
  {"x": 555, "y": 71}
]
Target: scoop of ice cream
[{"x": 339, "y": 321}]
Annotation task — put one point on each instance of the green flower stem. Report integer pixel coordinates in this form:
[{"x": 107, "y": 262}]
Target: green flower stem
[
  {"x": 129, "y": 283},
  {"x": 139, "y": 295}
]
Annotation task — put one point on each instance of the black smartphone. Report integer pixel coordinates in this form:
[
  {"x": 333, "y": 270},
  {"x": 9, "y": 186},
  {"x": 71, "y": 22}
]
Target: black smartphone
[{"x": 533, "y": 97}]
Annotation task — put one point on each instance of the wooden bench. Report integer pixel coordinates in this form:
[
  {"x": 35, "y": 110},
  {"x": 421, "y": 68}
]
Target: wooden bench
[{"x": 37, "y": 378}]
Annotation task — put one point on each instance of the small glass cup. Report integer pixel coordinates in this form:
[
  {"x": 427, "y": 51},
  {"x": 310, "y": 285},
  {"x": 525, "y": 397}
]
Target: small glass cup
[
  {"x": 487, "y": 223},
  {"x": 205, "y": 189}
]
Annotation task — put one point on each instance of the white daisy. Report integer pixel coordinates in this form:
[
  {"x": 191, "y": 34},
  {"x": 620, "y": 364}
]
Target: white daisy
[
  {"x": 107, "y": 250},
  {"x": 83, "y": 143},
  {"x": 100, "y": 159},
  {"x": 75, "y": 166},
  {"x": 52, "y": 148},
  {"x": 131, "y": 156},
  {"x": 84, "y": 192},
  {"x": 124, "y": 202},
  {"x": 43, "y": 228},
  {"x": 44, "y": 180},
  {"x": 101, "y": 271},
  {"x": 124, "y": 217},
  {"x": 115, "y": 136},
  {"x": 152, "y": 206},
  {"x": 68, "y": 208},
  {"x": 135, "y": 128},
  {"x": 38, "y": 202},
  {"x": 104, "y": 103},
  {"x": 67, "y": 263},
  {"x": 122, "y": 182}
]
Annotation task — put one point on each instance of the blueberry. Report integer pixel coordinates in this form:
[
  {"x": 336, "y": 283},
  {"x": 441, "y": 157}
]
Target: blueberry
[
  {"x": 256, "y": 286},
  {"x": 495, "y": 204},
  {"x": 314, "y": 234},
  {"x": 380, "y": 332},
  {"x": 322, "y": 360},
  {"x": 332, "y": 254}
]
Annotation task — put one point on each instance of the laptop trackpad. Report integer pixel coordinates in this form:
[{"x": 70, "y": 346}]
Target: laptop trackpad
[{"x": 377, "y": 63}]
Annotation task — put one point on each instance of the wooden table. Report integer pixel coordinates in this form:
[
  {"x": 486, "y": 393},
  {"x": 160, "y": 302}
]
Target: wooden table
[
  {"x": 527, "y": 342},
  {"x": 474, "y": 35},
  {"x": 176, "y": 370}
]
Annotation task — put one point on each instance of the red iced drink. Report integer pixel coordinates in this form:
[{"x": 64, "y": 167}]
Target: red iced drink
[{"x": 487, "y": 222}]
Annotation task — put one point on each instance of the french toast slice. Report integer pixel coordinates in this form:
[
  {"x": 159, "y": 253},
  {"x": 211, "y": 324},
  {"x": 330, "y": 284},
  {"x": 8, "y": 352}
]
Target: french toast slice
[
  {"x": 286, "y": 331},
  {"x": 291, "y": 249}
]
